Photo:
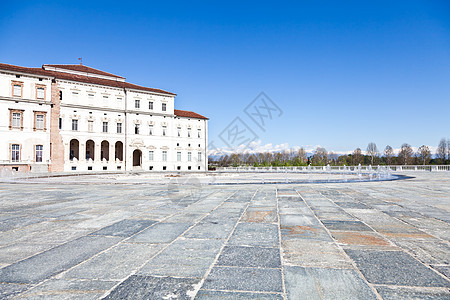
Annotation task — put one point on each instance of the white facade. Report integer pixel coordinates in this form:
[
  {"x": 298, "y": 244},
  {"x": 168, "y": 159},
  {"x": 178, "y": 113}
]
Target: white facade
[
  {"x": 24, "y": 125},
  {"x": 103, "y": 123}
]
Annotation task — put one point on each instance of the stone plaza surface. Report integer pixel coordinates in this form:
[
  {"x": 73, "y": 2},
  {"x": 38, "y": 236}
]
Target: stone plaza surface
[{"x": 69, "y": 238}]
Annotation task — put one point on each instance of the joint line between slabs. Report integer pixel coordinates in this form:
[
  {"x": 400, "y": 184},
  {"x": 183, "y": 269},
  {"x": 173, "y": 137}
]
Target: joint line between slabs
[
  {"x": 342, "y": 250},
  {"x": 200, "y": 284}
]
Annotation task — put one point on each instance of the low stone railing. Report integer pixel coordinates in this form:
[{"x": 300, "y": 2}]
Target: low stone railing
[{"x": 369, "y": 168}]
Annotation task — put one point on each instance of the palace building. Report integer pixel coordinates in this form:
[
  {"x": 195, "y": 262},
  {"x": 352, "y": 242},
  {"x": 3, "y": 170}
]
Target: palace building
[{"x": 75, "y": 118}]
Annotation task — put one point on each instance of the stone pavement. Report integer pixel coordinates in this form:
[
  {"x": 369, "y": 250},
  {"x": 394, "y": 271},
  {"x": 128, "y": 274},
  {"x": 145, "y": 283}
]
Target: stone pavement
[{"x": 368, "y": 240}]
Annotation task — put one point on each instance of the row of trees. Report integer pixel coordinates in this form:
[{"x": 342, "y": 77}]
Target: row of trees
[{"x": 321, "y": 157}]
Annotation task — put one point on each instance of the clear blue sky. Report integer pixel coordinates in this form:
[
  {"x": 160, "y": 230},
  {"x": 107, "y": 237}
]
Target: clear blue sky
[{"x": 345, "y": 73}]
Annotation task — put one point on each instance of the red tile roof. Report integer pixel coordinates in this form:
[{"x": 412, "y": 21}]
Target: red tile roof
[
  {"x": 81, "y": 78},
  {"x": 85, "y": 69},
  {"x": 188, "y": 114}
]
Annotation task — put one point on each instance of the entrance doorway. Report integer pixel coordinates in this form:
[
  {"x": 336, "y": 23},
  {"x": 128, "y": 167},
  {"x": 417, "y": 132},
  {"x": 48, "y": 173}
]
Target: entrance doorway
[{"x": 137, "y": 158}]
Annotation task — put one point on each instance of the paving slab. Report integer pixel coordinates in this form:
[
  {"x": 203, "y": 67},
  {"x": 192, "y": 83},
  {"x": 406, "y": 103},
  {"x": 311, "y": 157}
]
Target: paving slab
[
  {"x": 396, "y": 268},
  {"x": 160, "y": 233},
  {"x": 205, "y": 294},
  {"x": 430, "y": 250},
  {"x": 115, "y": 263},
  {"x": 255, "y": 234},
  {"x": 239, "y": 256},
  {"x": 368, "y": 239},
  {"x": 316, "y": 283},
  {"x": 10, "y": 290},
  {"x": 357, "y": 205},
  {"x": 69, "y": 289},
  {"x": 260, "y": 215},
  {"x": 308, "y": 253},
  {"x": 55, "y": 260},
  {"x": 211, "y": 230},
  {"x": 299, "y": 220},
  {"x": 346, "y": 225},
  {"x": 18, "y": 251},
  {"x": 151, "y": 287},
  {"x": 244, "y": 279},
  {"x": 401, "y": 293},
  {"x": 445, "y": 270},
  {"x": 184, "y": 258},
  {"x": 124, "y": 228},
  {"x": 304, "y": 232}
]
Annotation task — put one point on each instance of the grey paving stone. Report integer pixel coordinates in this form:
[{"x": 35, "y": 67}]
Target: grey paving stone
[
  {"x": 115, "y": 263},
  {"x": 299, "y": 220},
  {"x": 244, "y": 279},
  {"x": 210, "y": 230},
  {"x": 334, "y": 216},
  {"x": 9, "y": 290},
  {"x": 69, "y": 289},
  {"x": 445, "y": 270},
  {"x": 124, "y": 228},
  {"x": 12, "y": 223},
  {"x": 358, "y": 205},
  {"x": 309, "y": 253},
  {"x": 55, "y": 260},
  {"x": 19, "y": 251},
  {"x": 304, "y": 232},
  {"x": 184, "y": 258},
  {"x": 399, "y": 293},
  {"x": 204, "y": 294},
  {"x": 346, "y": 225},
  {"x": 260, "y": 215},
  {"x": 316, "y": 283},
  {"x": 255, "y": 234},
  {"x": 160, "y": 233},
  {"x": 250, "y": 257},
  {"x": 185, "y": 218},
  {"x": 396, "y": 268},
  {"x": 430, "y": 250},
  {"x": 150, "y": 287}
]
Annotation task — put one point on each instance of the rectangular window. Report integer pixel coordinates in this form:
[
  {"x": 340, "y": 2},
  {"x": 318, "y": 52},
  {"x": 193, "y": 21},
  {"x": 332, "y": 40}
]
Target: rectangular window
[
  {"x": 105, "y": 97},
  {"x": 164, "y": 130},
  {"x": 119, "y": 98},
  {"x": 91, "y": 97},
  {"x": 74, "y": 95},
  {"x": 39, "y": 121},
  {"x": 150, "y": 129},
  {"x": 39, "y": 152},
  {"x": 91, "y": 126},
  {"x": 178, "y": 156},
  {"x": 17, "y": 90},
  {"x": 150, "y": 105},
  {"x": 199, "y": 157},
  {"x": 16, "y": 120},
  {"x": 75, "y": 125},
  {"x": 199, "y": 133},
  {"x": 119, "y": 127},
  {"x": 164, "y": 107},
  {"x": 136, "y": 128},
  {"x": 164, "y": 155},
  {"x": 60, "y": 123},
  {"x": 40, "y": 93},
  {"x": 15, "y": 152},
  {"x": 189, "y": 156},
  {"x": 137, "y": 103},
  {"x": 105, "y": 126},
  {"x": 150, "y": 155},
  {"x": 189, "y": 132},
  {"x": 179, "y": 131}
]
